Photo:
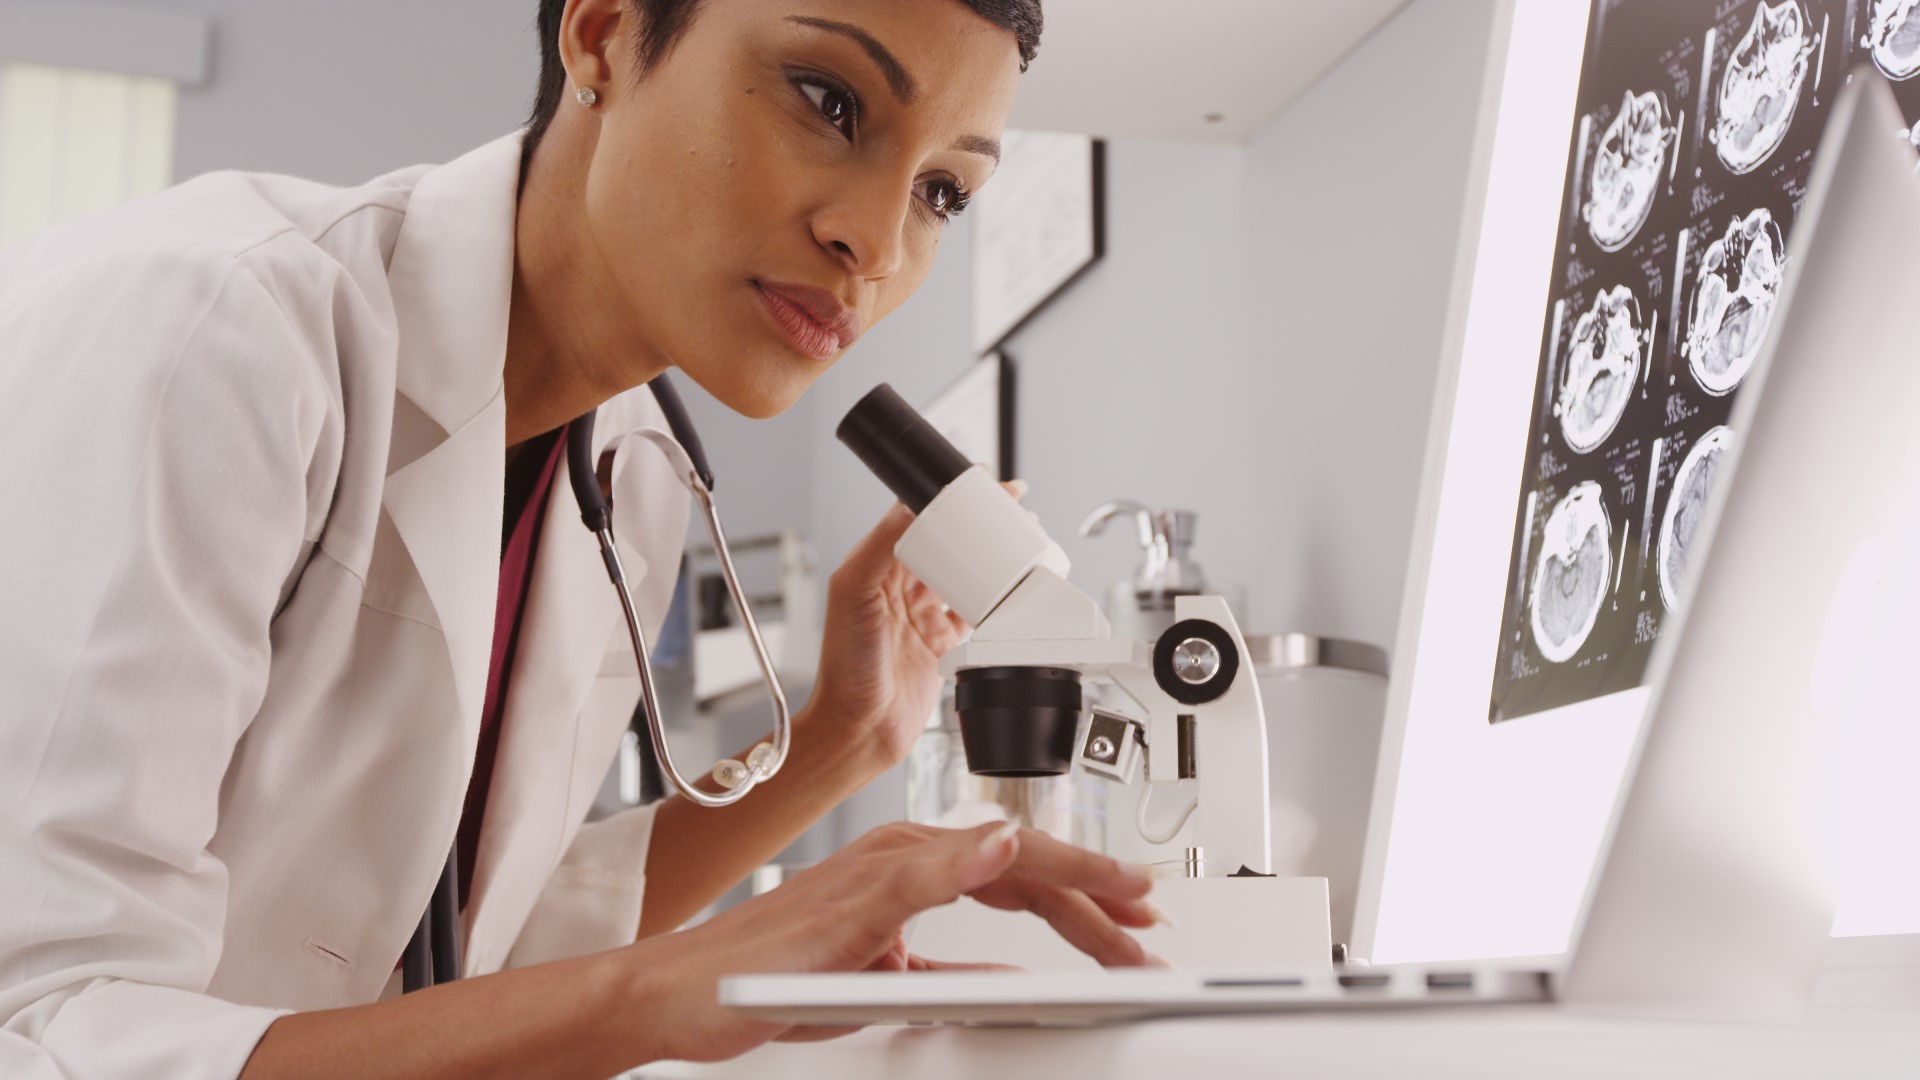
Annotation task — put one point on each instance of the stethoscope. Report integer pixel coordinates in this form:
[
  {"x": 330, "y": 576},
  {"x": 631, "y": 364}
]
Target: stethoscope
[{"x": 433, "y": 955}]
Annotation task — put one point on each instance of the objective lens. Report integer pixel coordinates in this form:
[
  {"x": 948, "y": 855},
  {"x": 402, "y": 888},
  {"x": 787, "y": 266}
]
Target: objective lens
[{"x": 1018, "y": 721}]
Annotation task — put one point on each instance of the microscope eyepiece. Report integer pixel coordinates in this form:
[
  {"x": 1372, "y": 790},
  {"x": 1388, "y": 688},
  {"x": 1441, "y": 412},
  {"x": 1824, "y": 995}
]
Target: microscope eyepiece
[{"x": 906, "y": 452}]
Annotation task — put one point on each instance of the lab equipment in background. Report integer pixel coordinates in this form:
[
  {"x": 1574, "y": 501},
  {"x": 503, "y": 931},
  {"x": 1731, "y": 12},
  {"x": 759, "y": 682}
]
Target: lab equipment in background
[
  {"x": 787, "y": 608},
  {"x": 1141, "y": 607},
  {"x": 1019, "y": 686}
]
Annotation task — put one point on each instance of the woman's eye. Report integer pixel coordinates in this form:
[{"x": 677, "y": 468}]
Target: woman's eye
[
  {"x": 835, "y": 105},
  {"x": 944, "y": 196}
]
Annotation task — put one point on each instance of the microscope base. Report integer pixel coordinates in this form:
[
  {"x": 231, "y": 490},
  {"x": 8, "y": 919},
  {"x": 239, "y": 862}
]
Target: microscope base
[{"x": 1223, "y": 925}]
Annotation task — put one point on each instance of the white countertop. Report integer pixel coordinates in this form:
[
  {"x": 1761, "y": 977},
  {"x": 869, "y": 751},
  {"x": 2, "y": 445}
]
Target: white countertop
[{"x": 1484, "y": 1043}]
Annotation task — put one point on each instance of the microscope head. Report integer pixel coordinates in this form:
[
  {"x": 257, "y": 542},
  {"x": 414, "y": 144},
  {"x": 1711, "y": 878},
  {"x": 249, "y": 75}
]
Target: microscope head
[{"x": 973, "y": 545}]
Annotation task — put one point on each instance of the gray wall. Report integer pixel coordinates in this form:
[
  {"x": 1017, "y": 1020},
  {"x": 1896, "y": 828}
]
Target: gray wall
[
  {"x": 344, "y": 90},
  {"x": 1357, "y": 199}
]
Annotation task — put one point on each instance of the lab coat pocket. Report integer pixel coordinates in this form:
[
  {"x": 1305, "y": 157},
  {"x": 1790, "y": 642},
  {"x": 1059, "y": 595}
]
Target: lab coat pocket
[{"x": 592, "y": 902}]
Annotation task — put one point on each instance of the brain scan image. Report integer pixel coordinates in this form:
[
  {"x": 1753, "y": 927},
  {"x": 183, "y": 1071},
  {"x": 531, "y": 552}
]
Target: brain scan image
[
  {"x": 1570, "y": 581},
  {"x": 1626, "y": 170},
  {"x": 1603, "y": 364},
  {"x": 1691, "y": 486},
  {"x": 1733, "y": 301},
  {"x": 1893, "y": 37},
  {"x": 1762, "y": 86}
]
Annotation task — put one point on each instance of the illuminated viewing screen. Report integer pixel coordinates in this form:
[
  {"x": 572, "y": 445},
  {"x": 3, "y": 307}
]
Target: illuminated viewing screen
[{"x": 1648, "y": 162}]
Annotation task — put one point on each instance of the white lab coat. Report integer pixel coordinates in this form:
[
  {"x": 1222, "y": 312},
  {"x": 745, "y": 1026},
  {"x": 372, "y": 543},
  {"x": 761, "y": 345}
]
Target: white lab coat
[{"x": 251, "y": 456}]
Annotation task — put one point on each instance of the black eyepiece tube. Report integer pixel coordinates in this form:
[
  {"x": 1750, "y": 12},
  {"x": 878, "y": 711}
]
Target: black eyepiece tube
[{"x": 908, "y": 455}]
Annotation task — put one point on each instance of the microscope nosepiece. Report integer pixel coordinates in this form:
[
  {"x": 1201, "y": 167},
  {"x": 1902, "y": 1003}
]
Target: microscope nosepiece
[{"x": 1018, "y": 721}]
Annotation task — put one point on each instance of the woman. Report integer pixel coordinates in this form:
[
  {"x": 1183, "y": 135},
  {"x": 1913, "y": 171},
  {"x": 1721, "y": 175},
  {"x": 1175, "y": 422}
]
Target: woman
[{"x": 264, "y": 660}]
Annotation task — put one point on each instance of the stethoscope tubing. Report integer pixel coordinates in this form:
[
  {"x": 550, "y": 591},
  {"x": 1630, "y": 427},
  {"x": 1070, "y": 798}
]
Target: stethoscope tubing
[
  {"x": 682, "y": 447},
  {"x": 433, "y": 955}
]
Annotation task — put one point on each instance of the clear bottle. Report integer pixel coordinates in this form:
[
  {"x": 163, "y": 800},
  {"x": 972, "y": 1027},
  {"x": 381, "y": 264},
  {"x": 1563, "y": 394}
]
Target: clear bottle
[{"x": 1141, "y": 607}]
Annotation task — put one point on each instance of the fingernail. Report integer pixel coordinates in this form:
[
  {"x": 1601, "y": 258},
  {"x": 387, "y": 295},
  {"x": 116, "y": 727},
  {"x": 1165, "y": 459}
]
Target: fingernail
[
  {"x": 1002, "y": 833},
  {"x": 1157, "y": 962},
  {"x": 1018, "y": 487},
  {"x": 1153, "y": 871},
  {"x": 1160, "y": 918}
]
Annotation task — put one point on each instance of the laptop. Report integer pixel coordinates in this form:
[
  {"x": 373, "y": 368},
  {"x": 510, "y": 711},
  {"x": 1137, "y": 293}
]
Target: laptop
[{"x": 1709, "y": 899}]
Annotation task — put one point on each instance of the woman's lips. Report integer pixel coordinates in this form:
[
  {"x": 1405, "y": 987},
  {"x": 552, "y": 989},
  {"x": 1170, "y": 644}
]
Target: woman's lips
[{"x": 814, "y": 321}]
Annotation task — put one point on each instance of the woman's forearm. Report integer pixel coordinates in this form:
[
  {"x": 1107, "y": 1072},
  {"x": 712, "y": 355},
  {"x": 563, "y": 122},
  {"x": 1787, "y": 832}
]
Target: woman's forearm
[
  {"x": 582, "y": 1017},
  {"x": 698, "y": 853}
]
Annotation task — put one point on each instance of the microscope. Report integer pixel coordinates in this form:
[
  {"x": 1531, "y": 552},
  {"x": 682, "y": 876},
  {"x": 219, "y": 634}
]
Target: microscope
[{"x": 1018, "y": 679}]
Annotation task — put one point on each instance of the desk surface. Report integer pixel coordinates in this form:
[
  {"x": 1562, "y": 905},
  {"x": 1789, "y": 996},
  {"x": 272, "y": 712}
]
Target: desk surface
[{"x": 1484, "y": 1043}]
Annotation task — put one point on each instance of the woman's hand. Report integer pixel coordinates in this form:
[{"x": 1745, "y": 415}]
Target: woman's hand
[
  {"x": 849, "y": 912},
  {"x": 880, "y": 657}
]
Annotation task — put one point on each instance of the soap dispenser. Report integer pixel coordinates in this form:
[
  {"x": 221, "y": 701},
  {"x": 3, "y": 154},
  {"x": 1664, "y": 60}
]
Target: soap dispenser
[{"x": 1141, "y": 607}]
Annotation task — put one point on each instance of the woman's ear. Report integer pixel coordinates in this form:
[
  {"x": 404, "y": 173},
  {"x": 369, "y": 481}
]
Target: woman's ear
[{"x": 595, "y": 44}]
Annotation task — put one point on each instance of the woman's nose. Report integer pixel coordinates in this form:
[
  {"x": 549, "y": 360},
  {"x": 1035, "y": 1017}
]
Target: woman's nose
[{"x": 863, "y": 230}]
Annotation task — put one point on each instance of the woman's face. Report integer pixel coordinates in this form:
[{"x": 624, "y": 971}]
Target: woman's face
[{"x": 780, "y": 180}]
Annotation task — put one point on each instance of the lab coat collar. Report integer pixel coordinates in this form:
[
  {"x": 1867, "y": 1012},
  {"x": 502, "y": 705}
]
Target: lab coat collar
[
  {"x": 451, "y": 277},
  {"x": 452, "y": 280}
]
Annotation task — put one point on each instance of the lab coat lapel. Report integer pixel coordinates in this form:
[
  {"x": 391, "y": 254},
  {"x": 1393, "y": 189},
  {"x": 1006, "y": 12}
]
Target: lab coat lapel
[
  {"x": 569, "y": 616},
  {"x": 553, "y": 751},
  {"x": 452, "y": 281}
]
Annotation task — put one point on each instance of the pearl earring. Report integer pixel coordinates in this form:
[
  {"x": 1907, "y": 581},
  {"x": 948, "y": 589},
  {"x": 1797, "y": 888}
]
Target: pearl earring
[{"x": 586, "y": 96}]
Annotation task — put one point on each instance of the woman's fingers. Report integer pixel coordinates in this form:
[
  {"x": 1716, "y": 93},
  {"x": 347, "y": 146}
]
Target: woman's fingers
[
  {"x": 921, "y": 963},
  {"x": 806, "y": 1033},
  {"x": 943, "y": 868},
  {"x": 1075, "y": 917},
  {"x": 1137, "y": 914},
  {"x": 1047, "y": 860}
]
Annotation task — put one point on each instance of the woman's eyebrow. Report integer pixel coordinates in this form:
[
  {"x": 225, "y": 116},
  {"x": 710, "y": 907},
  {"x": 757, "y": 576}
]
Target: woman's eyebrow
[
  {"x": 979, "y": 144},
  {"x": 898, "y": 80}
]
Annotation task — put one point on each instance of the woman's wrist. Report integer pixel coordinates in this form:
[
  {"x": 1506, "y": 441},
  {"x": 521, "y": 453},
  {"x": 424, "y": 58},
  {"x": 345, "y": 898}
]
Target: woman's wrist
[
  {"x": 841, "y": 752},
  {"x": 635, "y": 993}
]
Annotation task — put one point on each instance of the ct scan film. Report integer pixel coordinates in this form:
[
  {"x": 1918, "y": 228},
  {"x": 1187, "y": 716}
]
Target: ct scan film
[{"x": 1689, "y": 160}]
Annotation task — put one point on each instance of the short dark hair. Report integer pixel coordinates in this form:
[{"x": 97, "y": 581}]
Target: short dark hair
[{"x": 664, "y": 21}]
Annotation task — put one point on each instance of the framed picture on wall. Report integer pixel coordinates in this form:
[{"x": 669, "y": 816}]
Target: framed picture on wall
[
  {"x": 1037, "y": 227},
  {"x": 975, "y": 413}
]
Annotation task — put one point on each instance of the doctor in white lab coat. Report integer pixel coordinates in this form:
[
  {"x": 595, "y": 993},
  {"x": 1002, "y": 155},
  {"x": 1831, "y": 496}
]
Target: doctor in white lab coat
[{"x": 254, "y": 434}]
